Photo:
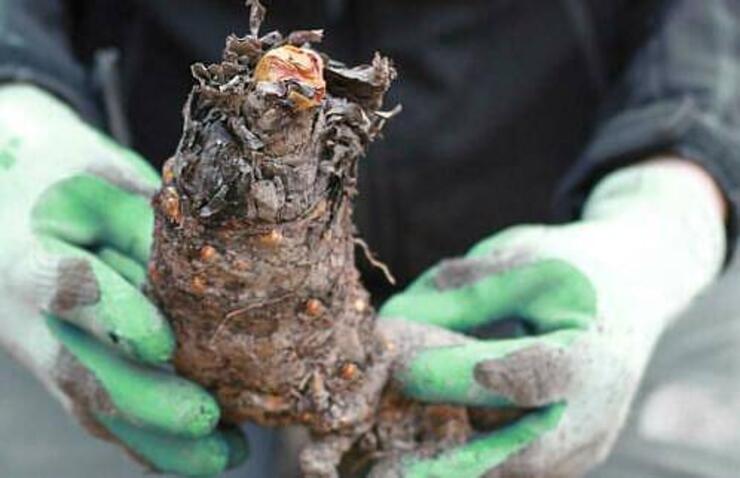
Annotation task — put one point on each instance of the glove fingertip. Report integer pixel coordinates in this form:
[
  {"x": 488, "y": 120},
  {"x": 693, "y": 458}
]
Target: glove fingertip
[
  {"x": 155, "y": 347},
  {"x": 201, "y": 415},
  {"x": 203, "y": 457}
]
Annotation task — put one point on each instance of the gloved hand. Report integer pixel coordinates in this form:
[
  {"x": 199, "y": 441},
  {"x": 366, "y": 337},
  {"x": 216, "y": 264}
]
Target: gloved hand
[
  {"x": 596, "y": 295},
  {"x": 76, "y": 232}
]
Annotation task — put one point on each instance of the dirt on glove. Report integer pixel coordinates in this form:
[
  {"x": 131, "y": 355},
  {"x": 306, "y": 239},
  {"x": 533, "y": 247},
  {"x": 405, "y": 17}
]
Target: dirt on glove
[{"x": 254, "y": 251}]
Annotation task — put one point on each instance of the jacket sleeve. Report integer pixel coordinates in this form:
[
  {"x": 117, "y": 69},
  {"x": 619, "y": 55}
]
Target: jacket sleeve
[
  {"x": 680, "y": 94},
  {"x": 35, "y": 48}
]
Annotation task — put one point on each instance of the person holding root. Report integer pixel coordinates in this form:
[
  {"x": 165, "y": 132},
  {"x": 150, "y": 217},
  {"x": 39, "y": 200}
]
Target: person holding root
[{"x": 624, "y": 114}]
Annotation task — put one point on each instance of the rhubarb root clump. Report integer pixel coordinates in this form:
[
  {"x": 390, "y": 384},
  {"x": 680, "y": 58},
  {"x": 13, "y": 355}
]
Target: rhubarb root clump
[{"x": 254, "y": 250}]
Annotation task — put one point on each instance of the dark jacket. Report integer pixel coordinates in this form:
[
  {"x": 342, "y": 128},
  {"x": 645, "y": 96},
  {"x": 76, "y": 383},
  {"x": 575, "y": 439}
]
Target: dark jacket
[{"x": 503, "y": 98}]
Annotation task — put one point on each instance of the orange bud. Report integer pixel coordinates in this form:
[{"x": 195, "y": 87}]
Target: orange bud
[
  {"x": 348, "y": 371},
  {"x": 271, "y": 239},
  {"x": 292, "y": 63},
  {"x": 167, "y": 174},
  {"x": 198, "y": 285},
  {"x": 170, "y": 204},
  {"x": 207, "y": 253},
  {"x": 314, "y": 307}
]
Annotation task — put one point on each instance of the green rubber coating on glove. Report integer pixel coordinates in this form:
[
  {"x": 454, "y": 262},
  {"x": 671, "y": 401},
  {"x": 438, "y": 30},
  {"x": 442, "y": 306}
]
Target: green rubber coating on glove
[
  {"x": 511, "y": 237},
  {"x": 481, "y": 455},
  {"x": 200, "y": 457},
  {"x": 123, "y": 316},
  {"x": 147, "y": 397},
  {"x": 129, "y": 269},
  {"x": 550, "y": 294},
  {"x": 87, "y": 211},
  {"x": 446, "y": 374}
]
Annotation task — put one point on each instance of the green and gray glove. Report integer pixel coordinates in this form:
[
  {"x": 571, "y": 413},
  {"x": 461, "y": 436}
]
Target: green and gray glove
[
  {"x": 77, "y": 229},
  {"x": 596, "y": 294}
]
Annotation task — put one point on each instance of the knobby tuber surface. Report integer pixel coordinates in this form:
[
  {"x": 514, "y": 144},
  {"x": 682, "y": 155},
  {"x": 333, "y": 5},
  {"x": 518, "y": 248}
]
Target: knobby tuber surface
[{"x": 253, "y": 259}]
